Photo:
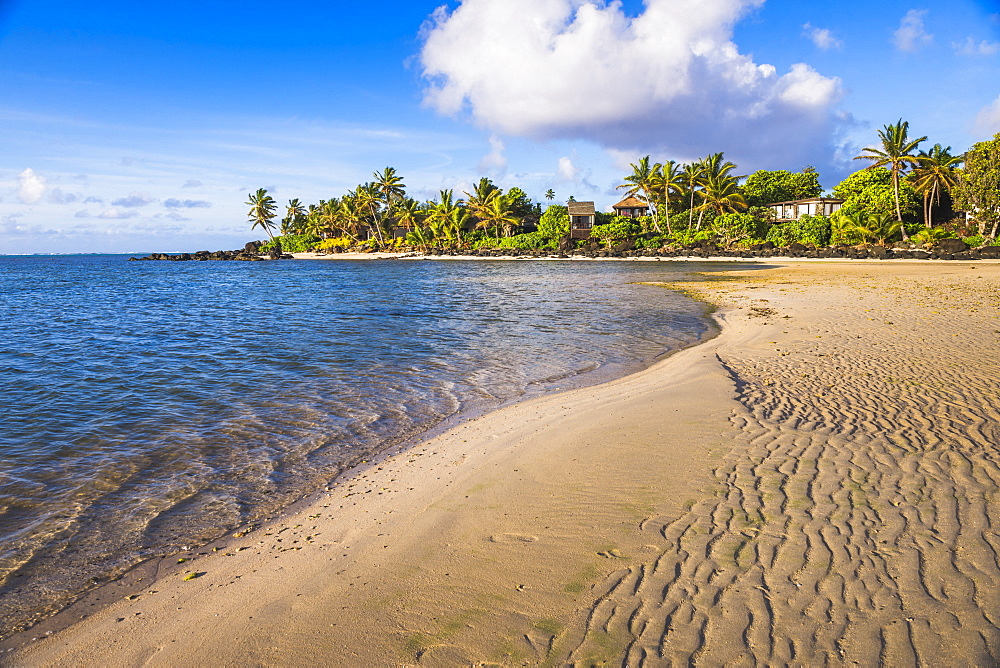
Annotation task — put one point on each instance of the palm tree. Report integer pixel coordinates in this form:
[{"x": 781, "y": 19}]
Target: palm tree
[
  {"x": 366, "y": 199},
  {"x": 896, "y": 155},
  {"x": 934, "y": 175},
  {"x": 409, "y": 213},
  {"x": 499, "y": 214},
  {"x": 550, "y": 194},
  {"x": 671, "y": 180},
  {"x": 692, "y": 174},
  {"x": 390, "y": 186},
  {"x": 262, "y": 211},
  {"x": 721, "y": 193},
  {"x": 294, "y": 214},
  {"x": 878, "y": 227},
  {"x": 478, "y": 200},
  {"x": 643, "y": 183}
]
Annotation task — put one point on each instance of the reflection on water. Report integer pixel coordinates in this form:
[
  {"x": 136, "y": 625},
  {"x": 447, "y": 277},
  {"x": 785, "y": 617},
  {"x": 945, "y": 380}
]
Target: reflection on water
[{"x": 147, "y": 406}]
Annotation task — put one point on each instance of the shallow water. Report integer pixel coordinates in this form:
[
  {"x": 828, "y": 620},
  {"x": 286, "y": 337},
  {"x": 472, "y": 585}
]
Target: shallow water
[{"x": 148, "y": 406}]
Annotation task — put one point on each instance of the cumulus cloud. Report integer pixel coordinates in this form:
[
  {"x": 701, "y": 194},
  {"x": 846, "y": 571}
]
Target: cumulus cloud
[
  {"x": 30, "y": 186},
  {"x": 670, "y": 78},
  {"x": 823, "y": 38},
  {"x": 93, "y": 200},
  {"x": 174, "y": 203},
  {"x": 114, "y": 213},
  {"x": 971, "y": 47},
  {"x": 911, "y": 34},
  {"x": 494, "y": 161},
  {"x": 133, "y": 200},
  {"x": 567, "y": 170},
  {"x": 191, "y": 183},
  {"x": 988, "y": 119}
]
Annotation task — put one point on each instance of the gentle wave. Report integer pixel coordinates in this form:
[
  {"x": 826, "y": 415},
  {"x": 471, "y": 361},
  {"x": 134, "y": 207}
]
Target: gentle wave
[{"x": 149, "y": 406}]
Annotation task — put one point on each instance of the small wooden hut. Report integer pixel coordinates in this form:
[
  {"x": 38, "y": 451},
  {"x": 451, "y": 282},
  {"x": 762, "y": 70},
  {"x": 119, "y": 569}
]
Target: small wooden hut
[
  {"x": 631, "y": 207},
  {"x": 581, "y": 219}
]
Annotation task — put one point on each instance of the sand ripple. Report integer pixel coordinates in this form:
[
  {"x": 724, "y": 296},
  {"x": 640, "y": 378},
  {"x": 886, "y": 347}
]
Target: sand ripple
[{"x": 856, "y": 519}]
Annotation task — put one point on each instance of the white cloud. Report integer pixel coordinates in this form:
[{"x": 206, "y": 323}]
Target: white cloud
[
  {"x": 988, "y": 119},
  {"x": 911, "y": 34},
  {"x": 669, "y": 79},
  {"x": 822, "y": 37},
  {"x": 57, "y": 196},
  {"x": 972, "y": 48},
  {"x": 567, "y": 170},
  {"x": 30, "y": 186},
  {"x": 191, "y": 183},
  {"x": 114, "y": 213},
  {"x": 174, "y": 203},
  {"x": 494, "y": 162},
  {"x": 133, "y": 200}
]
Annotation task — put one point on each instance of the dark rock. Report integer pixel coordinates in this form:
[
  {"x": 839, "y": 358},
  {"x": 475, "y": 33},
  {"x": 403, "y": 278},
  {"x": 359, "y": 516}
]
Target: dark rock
[
  {"x": 951, "y": 246},
  {"x": 252, "y": 248},
  {"x": 796, "y": 247},
  {"x": 990, "y": 252},
  {"x": 879, "y": 252},
  {"x": 946, "y": 256},
  {"x": 626, "y": 245}
]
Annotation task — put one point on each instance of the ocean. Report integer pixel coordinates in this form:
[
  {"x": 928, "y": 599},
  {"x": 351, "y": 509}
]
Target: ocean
[{"x": 151, "y": 406}]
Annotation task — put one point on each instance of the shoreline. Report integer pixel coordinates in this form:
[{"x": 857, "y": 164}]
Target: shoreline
[
  {"x": 151, "y": 571},
  {"x": 776, "y": 260},
  {"x": 773, "y": 469}
]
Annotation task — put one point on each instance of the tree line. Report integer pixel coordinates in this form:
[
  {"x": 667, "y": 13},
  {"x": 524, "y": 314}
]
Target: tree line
[{"x": 686, "y": 202}]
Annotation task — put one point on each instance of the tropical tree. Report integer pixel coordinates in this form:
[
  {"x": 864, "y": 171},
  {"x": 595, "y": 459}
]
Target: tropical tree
[
  {"x": 691, "y": 175},
  {"x": 935, "y": 174},
  {"x": 896, "y": 155},
  {"x": 877, "y": 228},
  {"x": 767, "y": 187},
  {"x": 294, "y": 217},
  {"x": 670, "y": 181},
  {"x": 263, "y": 209},
  {"x": 409, "y": 213},
  {"x": 550, "y": 194},
  {"x": 643, "y": 183},
  {"x": 978, "y": 189},
  {"x": 721, "y": 194}
]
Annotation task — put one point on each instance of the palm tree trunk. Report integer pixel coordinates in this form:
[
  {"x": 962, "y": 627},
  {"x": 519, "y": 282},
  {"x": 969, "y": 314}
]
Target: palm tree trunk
[{"x": 899, "y": 212}]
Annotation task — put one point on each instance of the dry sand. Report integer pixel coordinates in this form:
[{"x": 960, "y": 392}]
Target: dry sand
[{"x": 817, "y": 485}]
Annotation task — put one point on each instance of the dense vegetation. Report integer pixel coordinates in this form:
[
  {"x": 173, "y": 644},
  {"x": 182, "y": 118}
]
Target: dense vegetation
[{"x": 904, "y": 194}]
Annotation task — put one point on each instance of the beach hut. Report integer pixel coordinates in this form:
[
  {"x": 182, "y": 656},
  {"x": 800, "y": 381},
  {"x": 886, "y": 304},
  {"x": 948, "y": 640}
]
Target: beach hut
[
  {"x": 785, "y": 212},
  {"x": 581, "y": 219},
  {"x": 631, "y": 207}
]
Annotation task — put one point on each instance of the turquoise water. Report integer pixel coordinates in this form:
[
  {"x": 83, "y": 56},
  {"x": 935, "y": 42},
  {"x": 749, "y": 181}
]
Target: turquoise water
[{"x": 149, "y": 406}]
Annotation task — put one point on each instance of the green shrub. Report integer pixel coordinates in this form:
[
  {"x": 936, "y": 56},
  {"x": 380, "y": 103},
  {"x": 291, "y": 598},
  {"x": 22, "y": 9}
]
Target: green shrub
[
  {"x": 975, "y": 241},
  {"x": 335, "y": 242},
  {"x": 929, "y": 235},
  {"x": 528, "y": 241},
  {"x": 810, "y": 230},
  {"x": 293, "y": 243},
  {"x": 554, "y": 223},
  {"x": 686, "y": 237},
  {"x": 619, "y": 228},
  {"x": 734, "y": 227}
]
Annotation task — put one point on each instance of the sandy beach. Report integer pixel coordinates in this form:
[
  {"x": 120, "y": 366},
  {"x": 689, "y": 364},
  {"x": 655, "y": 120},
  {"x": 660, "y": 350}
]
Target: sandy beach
[{"x": 819, "y": 484}]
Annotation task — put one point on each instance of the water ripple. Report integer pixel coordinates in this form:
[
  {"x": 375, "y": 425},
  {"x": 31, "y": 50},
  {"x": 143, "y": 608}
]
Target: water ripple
[{"x": 153, "y": 405}]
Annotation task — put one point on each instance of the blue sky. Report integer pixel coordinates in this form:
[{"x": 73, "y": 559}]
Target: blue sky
[{"x": 130, "y": 127}]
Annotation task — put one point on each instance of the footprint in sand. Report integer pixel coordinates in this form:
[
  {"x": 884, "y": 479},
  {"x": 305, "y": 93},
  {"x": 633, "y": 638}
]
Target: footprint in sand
[{"x": 513, "y": 538}]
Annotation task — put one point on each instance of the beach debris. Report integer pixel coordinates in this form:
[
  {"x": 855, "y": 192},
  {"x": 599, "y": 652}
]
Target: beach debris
[{"x": 193, "y": 574}]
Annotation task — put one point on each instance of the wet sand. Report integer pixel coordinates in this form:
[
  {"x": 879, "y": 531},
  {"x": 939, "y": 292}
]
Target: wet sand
[{"x": 818, "y": 484}]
